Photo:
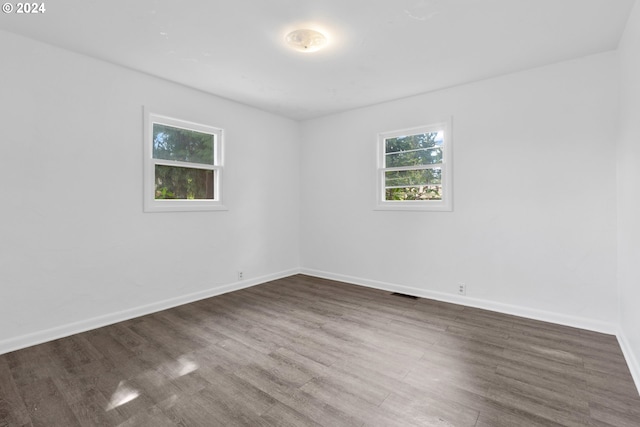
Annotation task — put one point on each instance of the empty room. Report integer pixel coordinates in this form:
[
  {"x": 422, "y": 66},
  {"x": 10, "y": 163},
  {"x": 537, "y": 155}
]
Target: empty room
[{"x": 331, "y": 213}]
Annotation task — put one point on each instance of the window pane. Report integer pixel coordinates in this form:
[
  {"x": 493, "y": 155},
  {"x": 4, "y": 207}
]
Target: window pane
[
  {"x": 421, "y": 156},
  {"x": 413, "y": 177},
  {"x": 184, "y": 183},
  {"x": 170, "y": 143},
  {"x": 429, "y": 192},
  {"x": 413, "y": 150}
]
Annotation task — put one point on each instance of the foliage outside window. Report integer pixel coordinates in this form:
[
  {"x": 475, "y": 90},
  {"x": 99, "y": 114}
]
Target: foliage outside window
[
  {"x": 183, "y": 165},
  {"x": 414, "y": 168}
]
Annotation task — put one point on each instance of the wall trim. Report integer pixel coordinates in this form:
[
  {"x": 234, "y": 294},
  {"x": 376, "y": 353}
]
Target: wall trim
[
  {"x": 630, "y": 357},
  {"x": 515, "y": 310},
  {"x": 66, "y": 330}
]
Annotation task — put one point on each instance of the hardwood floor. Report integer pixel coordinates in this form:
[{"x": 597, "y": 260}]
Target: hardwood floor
[{"x": 303, "y": 351}]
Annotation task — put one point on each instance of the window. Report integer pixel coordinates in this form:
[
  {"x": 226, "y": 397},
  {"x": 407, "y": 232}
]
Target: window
[
  {"x": 414, "y": 169},
  {"x": 183, "y": 165}
]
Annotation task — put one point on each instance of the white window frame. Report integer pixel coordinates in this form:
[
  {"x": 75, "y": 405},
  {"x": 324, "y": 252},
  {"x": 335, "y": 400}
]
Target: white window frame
[
  {"x": 446, "y": 204},
  {"x": 151, "y": 204}
]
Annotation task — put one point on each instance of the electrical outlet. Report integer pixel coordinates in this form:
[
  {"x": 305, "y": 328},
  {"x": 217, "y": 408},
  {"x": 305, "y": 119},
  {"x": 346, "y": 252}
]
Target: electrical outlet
[
  {"x": 240, "y": 275},
  {"x": 462, "y": 289}
]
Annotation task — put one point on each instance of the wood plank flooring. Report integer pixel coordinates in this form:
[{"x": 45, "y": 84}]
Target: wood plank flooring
[{"x": 303, "y": 351}]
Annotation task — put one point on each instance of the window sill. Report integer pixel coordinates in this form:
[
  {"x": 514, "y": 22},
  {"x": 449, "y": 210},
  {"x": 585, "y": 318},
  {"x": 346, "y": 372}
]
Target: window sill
[
  {"x": 183, "y": 206},
  {"x": 414, "y": 206}
]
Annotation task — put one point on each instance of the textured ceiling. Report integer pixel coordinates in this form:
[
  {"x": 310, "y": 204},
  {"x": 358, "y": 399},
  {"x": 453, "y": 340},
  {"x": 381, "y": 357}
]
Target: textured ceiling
[{"x": 379, "y": 50}]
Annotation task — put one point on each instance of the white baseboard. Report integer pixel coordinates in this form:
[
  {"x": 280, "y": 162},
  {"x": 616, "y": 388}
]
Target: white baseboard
[
  {"x": 630, "y": 356},
  {"x": 530, "y": 313},
  {"x": 62, "y": 331}
]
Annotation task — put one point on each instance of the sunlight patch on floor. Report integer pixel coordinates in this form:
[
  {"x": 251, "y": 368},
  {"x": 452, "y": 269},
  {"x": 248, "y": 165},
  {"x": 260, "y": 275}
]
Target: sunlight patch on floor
[{"x": 122, "y": 395}]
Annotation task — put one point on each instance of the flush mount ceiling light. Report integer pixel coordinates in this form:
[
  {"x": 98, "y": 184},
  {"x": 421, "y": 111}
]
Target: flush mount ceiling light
[{"x": 306, "y": 40}]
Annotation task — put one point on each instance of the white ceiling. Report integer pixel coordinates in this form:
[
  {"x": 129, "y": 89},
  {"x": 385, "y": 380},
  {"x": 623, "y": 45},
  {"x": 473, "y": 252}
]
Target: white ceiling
[{"x": 380, "y": 49}]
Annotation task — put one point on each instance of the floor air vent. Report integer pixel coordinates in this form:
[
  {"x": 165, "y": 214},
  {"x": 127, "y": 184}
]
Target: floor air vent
[{"x": 404, "y": 295}]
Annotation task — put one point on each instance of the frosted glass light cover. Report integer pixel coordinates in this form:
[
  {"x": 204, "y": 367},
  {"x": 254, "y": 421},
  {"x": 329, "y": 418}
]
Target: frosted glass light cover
[{"x": 306, "y": 40}]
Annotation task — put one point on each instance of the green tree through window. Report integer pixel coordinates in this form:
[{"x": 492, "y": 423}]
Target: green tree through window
[
  {"x": 409, "y": 157},
  {"x": 183, "y": 145}
]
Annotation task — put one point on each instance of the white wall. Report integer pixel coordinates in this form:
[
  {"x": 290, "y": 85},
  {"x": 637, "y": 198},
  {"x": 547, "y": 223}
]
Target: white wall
[
  {"x": 629, "y": 193},
  {"x": 75, "y": 244},
  {"x": 533, "y": 226}
]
